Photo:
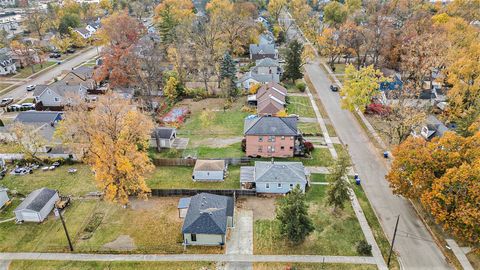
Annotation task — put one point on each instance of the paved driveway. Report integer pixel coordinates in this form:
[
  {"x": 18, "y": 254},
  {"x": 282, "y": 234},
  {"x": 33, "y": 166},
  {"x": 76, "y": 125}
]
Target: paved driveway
[{"x": 241, "y": 239}]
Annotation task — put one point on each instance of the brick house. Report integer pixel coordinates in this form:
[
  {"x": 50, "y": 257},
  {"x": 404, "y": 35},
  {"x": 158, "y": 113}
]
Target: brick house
[{"x": 270, "y": 136}]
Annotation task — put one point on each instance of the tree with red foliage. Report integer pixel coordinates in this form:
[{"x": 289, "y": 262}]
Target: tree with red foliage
[{"x": 119, "y": 33}]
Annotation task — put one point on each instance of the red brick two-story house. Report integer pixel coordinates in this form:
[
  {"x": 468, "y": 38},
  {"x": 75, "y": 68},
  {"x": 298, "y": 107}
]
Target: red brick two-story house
[{"x": 270, "y": 136}]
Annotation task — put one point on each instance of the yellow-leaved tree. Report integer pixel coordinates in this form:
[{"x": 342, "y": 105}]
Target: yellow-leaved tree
[{"x": 113, "y": 138}]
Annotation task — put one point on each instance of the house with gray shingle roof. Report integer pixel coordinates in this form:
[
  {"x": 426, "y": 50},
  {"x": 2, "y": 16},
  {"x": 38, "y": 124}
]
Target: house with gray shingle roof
[
  {"x": 274, "y": 177},
  {"x": 271, "y": 136},
  {"x": 37, "y": 205},
  {"x": 433, "y": 128},
  {"x": 207, "y": 220},
  {"x": 260, "y": 51},
  {"x": 59, "y": 94},
  {"x": 7, "y": 64}
]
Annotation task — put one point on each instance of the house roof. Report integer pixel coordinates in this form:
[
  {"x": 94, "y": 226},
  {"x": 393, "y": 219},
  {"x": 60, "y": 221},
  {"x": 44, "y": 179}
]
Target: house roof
[
  {"x": 269, "y": 104},
  {"x": 83, "y": 31},
  {"x": 36, "y": 200},
  {"x": 84, "y": 72},
  {"x": 163, "y": 132},
  {"x": 271, "y": 125},
  {"x": 435, "y": 125},
  {"x": 266, "y": 38},
  {"x": 273, "y": 171},
  {"x": 183, "y": 203},
  {"x": 262, "y": 49},
  {"x": 37, "y": 117},
  {"x": 209, "y": 165},
  {"x": 266, "y": 62},
  {"x": 207, "y": 214},
  {"x": 62, "y": 88},
  {"x": 261, "y": 78},
  {"x": 274, "y": 89}
]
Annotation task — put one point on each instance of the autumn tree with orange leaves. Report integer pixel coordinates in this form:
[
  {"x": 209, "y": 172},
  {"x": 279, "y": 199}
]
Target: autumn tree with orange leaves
[
  {"x": 113, "y": 138},
  {"x": 119, "y": 34},
  {"x": 444, "y": 174}
]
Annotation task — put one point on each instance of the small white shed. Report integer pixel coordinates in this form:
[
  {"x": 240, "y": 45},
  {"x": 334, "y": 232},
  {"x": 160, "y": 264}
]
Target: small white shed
[
  {"x": 37, "y": 205},
  {"x": 209, "y": 170},
  {"x": 3, "y": 197},
  {"x": 183, "y": 205}
]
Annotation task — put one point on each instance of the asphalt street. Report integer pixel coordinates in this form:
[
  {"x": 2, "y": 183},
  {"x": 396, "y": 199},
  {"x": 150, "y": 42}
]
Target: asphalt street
[{"x": 20, "y": 92}]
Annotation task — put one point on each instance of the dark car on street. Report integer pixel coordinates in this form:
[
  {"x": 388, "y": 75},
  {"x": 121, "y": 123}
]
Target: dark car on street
[{"x": 334, "y": 88}]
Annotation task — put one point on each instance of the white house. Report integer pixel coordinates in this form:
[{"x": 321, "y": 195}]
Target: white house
[
  {"x": 209, "y": 170},
  {"x": 84, "y": 32},
  {"x": 183, "y": 204},
  {"x": 7, "y": 64},
  {"x": 163, "y": 137},
  {"x": 3, "y": 197},
  {"x": 37, "y": 205},
  {"x": 59, "y": 94}
]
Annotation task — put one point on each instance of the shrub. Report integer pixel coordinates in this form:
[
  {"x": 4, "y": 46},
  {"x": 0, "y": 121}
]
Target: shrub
[
  {"x": 376, "y": 108},
  {"x": 172, "y": 153},
  {"x": 308, "y": 147},
  {"x": 301, "y": 86},
  {"x": 363, "y": 248}
]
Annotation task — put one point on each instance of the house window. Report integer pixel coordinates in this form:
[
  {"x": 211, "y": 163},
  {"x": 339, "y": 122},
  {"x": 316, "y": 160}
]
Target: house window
[
  {"x": 260, "y": 138},
  {"x": 267, "y": 185},
  {"x": 56, "y": 99},
  {"x": 291, "y": 137},
  {"x": 260, "y": 149},
  {"x": 271, "y": 138},
  {"x": 291, "y": 147},
  {"x": 282, "y": 147},
  {"x": 271, "y": 149},
  {"x": 291, "y": 186},
  {"x": 283, "y": 138},
  {"x": 279, "y": 185},
  {"x": 194, "y": 237}
]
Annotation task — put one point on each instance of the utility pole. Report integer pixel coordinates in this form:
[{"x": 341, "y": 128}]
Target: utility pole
[
  {"x": 393, "y": 241},
  {"x": 64, "y": 228}
]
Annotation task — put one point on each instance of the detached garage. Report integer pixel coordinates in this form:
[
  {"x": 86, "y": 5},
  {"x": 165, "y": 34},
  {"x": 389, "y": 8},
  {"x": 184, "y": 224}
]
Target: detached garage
[{"x": 37, "y": 206}]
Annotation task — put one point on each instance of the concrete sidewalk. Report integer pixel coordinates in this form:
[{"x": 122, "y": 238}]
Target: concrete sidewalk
[{"x": 187, "y": 257}]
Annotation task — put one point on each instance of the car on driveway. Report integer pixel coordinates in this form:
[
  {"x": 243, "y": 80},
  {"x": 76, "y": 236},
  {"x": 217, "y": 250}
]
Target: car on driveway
[
  {"x": 334, "y": 88},
  {"x": 6, "y": 101},
  {"x": 55, "y": 55},
  {"x": 70, "y": 50},
  {"x": 30, "y": 106},
  {"x": 31, "y": 87},
  {"x": 15, "y": 107}
]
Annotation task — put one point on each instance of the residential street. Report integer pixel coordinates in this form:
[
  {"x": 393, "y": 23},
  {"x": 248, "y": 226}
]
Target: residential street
[
  {"x": 414, "y": 243},
  {"x": 20, "y": 92}
]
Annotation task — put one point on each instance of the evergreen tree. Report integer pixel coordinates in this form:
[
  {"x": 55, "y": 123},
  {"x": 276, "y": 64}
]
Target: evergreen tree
[
  {"x": 166, "y": 27},
  {"x": 228, "y": 74},
  {"x": 294, "y": 62},
  {"x": 292, "y": 212},
  {"x": 338, "y": 192}
]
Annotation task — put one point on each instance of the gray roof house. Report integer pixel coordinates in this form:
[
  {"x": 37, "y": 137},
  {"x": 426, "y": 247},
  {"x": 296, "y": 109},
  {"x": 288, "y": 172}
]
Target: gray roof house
[
  {"x": 3, "y": 197},
  {"x": 209, "y": 170},
  {"x": 37, "y": 205},
  {"x": 272, "y": 126},
  {"x": 44, "y": 123},
  {"x": 163, "y": 137},
  {"x": 7, "y": 64},
  {"x": 274, "y": 177},
  {"x": 84, "y": 32},
  {"x": 207, "y": 219},
  {"x": 59, "y": 94},
  {"x": 266, "y": 38},
  {"x": 433, "y": 128},
  {"x": 251, "y": 78},
  {"x": 260, "y": 51}
]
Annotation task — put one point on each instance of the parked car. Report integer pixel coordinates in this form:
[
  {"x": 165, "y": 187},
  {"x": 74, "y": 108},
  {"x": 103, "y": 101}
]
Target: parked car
[
  {"x": 15, "y": 107},
  {"x": 31, "y": 87},
  {"x": 21, "y": 171},
  {"x": 55, "y": 55},
  {"x": 334, "y": 88},
  {"x": 5, "y": 102},
  {"x": 70, "y": 50},
  {"x": 56, "y": 164},
  {"x": 28, "y": 106}
]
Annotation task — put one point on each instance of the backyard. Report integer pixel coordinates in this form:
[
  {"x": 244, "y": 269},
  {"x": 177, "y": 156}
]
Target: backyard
[
  {"x": 333, "y": 234},
  {"x": 173, "y": 177},
  {"x": 300, "y": 106}
]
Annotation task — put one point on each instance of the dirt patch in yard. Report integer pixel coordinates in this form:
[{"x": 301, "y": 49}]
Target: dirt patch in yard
[
  {"x": 123, "y": 243},
  {"x": 262, "y": 207},
  {"x": 208, "y": 103},
  {"x": 216, "y": 142}
]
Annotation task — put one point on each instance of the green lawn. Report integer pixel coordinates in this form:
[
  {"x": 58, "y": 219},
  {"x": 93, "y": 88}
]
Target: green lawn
[
  {"x": 300, "y": 106},
  {"x": 76, "y": 184},
  {"x": 310, "y": 128},
  {"x": 339, "y": 68},
  {"x": 372, "y": 220},
  {"x": 333, "y": 235},
  {"x": 230, "y": 151},
  {"x": 318, "y": 177},
  {"x": 79, "y": 265},
  {"x": 320, "y": 157},
  {"x": 311, "y": 266},
  {"x": 331, "y": 130},
  {"x": 27, "y": 71},
  {"x": 181, "y": 177}
]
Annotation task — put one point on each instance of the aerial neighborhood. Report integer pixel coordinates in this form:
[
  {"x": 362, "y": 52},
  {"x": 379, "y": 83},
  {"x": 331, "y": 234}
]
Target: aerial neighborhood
[{"x": 220, "y": 134}]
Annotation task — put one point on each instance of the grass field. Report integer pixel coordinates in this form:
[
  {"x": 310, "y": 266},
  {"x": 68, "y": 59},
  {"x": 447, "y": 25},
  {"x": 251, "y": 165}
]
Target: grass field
[
  {"x": 333, "y": 235},
  {"x": 4, "y": 85},
  {"x": 311, "y": 266},
  {"x": 320, "y": 157},
  {"x": 27, "y": 71},
  {"x": 230, "y": 151},
  {"x": 79, "y": 265},
  {"x": 318, "y": 177},
  {"x": 76, "y": 184},
  {"x": 181, "y": 177},
  {"x": 310, "y": 128},
  {"x": 300, "y": 106}
]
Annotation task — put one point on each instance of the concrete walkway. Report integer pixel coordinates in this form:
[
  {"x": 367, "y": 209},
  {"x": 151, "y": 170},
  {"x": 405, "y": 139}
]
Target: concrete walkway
[
  {"x": 459, "y": 254},
  {"x": 186, "y": 257},
  {"x": 241, "y": 239},
  {"x": 4, "y": 265}
]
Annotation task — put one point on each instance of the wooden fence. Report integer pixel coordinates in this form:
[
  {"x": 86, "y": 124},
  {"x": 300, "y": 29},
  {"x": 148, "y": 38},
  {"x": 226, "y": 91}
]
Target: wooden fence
[
  {"x": 191, "y": 161},
  {"x": 192, "y": 192}
]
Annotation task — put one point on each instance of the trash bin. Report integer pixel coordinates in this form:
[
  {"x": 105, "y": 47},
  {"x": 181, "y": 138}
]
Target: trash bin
[
  {"x": 357, "y": 179},
  {"x": 385, "y": 154}
]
